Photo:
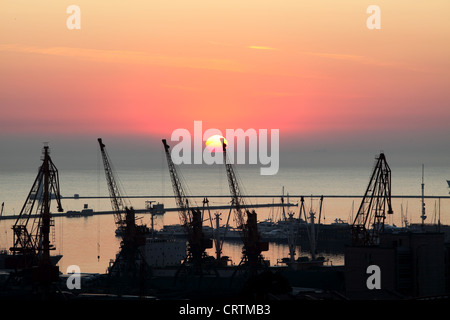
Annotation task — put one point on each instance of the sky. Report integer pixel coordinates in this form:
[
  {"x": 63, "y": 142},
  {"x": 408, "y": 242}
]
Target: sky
[{"x": 135, "y": 71}]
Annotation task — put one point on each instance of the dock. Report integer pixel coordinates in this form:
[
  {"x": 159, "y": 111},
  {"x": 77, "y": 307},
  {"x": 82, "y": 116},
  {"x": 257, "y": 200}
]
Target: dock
[
  {"x": 223, "y": 207},
  {"x": 148, "y": 211}
]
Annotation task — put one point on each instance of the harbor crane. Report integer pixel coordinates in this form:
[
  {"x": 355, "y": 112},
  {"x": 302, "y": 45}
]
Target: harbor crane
[
  {"x": 312, "y": 229},
  {"x": 246, "y": 221},
  {"x": 132, "y": 235},
  {"x": 190, "y": 218},
  {"x": 32, "y": 242},
  {"x": 369, "y": 221}
]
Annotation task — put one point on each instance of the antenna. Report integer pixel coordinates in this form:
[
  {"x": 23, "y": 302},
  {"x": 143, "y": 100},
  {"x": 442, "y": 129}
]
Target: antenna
[{"x": 423, "y": 216}]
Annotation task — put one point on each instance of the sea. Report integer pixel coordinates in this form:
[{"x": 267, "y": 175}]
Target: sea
[{"x": 91, "y": 244}]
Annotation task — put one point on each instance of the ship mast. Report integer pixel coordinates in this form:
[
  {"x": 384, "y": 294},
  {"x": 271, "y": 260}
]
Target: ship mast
[{"x": 423, "y": 216}]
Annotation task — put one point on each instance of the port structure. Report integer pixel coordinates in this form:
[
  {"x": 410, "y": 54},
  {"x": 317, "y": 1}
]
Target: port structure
[
  {"x": 191, "y": 219},
  {"x": 32, "y": 241},
  {"x": 130, "y": 265},
  {"x": 246, "y": 222},
  {"x": 376, "y": 203},
  {"x": 218, "y": 238},
  {"x": 312, "y": 228}
]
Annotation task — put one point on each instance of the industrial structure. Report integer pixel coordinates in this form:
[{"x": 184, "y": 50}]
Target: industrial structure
[
  {"x": 413, "y": 264},
  {"x": 130, "y": 265},
  {"x": 190, "y": 218},
  {"x": 32, "y": 238},
  {"x": 400, "y": 264},
  {"x": 246, "y": 221},
  {"x": 376, "y": 203}
]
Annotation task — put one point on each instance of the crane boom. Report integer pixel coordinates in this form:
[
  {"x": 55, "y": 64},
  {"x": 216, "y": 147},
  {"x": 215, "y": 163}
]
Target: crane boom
[
  {"x": 116, "y": 199},
  {"x": 180, "y": 196},
  {"x": 133, "y": 236},
  {"x": 253, "y": 246},
  {"x": 369, "y": 221},
  {"x": 236, "y": 197},
  {"x": 190, "y": 218}
]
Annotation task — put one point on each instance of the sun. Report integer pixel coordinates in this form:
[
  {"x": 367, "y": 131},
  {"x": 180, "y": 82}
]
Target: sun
[{"x": 214, "y": 143}]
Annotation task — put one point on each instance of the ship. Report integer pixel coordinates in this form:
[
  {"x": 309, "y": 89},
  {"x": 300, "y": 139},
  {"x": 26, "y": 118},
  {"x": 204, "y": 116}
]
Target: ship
[
  {"x": 86, "y": 212},
  {"x": 332, "y": 237},
  {"x": 9, "y": 261}
]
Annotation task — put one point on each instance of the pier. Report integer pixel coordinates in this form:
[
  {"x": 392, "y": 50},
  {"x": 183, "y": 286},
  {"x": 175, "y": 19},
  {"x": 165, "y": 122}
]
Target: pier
[
  {"x": 259, "y": 196},
  {"x": 223, "y": 207},
  {"x": 148, "y": 210}
]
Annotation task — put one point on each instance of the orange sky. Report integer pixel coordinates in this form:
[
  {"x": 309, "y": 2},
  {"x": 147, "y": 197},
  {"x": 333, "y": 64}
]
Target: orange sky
[{"x": 149, "y": 67}]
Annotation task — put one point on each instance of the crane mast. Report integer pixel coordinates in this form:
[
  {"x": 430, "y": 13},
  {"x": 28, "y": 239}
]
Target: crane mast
[
  {"x": 369, "y": 221},
  {"x": 245, "y": 219},
  {"x": 190, "y": 218},
  {"x": 32, "y": 244},
  {"x": 36, "y": 240}
]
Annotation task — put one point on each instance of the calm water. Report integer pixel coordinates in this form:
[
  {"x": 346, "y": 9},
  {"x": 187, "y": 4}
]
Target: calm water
[{"x": 90, "y": 242}]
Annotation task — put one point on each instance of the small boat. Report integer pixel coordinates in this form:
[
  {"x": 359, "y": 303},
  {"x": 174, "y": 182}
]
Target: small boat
[
  {"x": 142, "y": 229},
  {"x": 86, "y": 212}
]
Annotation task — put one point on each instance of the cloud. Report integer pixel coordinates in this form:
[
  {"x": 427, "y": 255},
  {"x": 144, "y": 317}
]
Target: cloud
[
  {"x": 365, "y": 60},
  {"x": 124, "y": 56},
  {"x": 223, "y": 44},
  {"x": 261, "y": 48},
  {"x": 182, "y": 88}
]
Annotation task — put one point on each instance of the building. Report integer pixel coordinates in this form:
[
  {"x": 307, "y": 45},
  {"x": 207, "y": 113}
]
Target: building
[
  {"x": 410, "y": 265},
  {"x": 164, "y": 252}
]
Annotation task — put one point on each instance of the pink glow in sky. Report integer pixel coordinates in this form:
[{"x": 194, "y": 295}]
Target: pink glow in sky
[{"x": 149, "y": 67}]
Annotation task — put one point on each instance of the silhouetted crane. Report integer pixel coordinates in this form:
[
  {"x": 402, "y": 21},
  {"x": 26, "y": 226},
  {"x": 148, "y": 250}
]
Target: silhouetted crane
[
  {"x": 369, "y": 221},
  {"x": 246, "y": 221},
  {"x": 32, "y": 244},
  {"x": 190, "y": 218},
  {"x": 133, "y": 237}
]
